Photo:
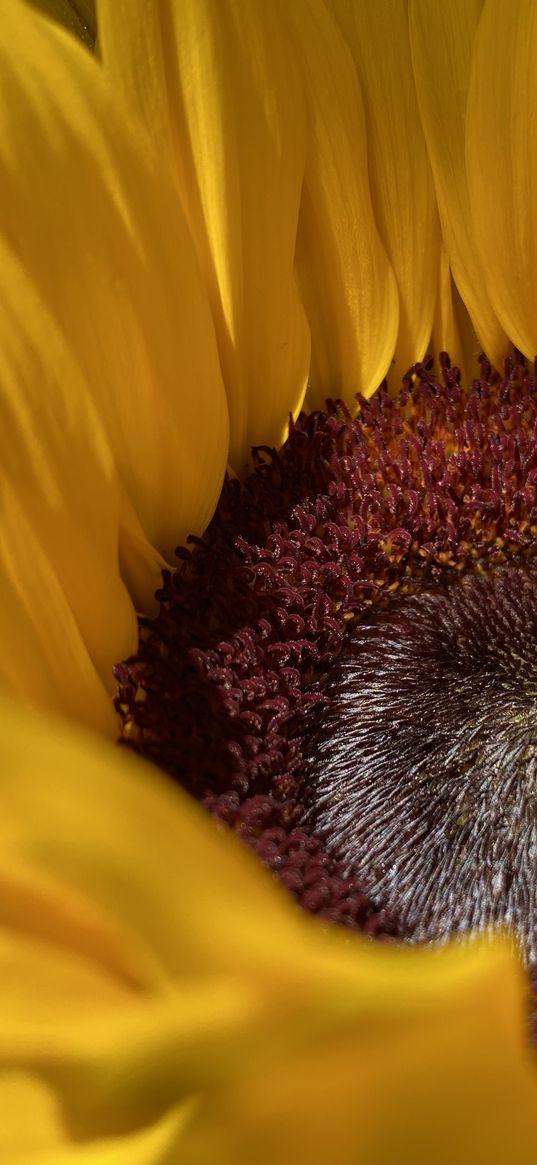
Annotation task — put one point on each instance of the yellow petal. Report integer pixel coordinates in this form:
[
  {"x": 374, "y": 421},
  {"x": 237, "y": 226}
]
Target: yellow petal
[
  {"x": 98, "y": 225},
  {"x": 154, "y": 979},
  {"x": 45, "y": 660},
  {"x": 157, "y": 1145},
  {"x": 345, "y": 279},
  {"x": 502, "y": 168},
  {"x": 401, "y": 180},
  {"x": 216, "y": 85},
  {"x": 65, "y": 614},
  {"x": 378, "y": 1093},
  {"x": 141, "y": 568},
  {"x": 452, "y": 330},
  {"x": 442, "y": 38}
]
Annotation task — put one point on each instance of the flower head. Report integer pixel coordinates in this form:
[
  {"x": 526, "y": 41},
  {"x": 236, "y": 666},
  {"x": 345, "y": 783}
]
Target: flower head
[{"x": 236, "y": 211}]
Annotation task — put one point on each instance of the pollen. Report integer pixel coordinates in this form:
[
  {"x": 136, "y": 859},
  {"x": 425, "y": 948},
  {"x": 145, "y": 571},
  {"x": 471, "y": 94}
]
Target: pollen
[{"x": 399, "y": 530}]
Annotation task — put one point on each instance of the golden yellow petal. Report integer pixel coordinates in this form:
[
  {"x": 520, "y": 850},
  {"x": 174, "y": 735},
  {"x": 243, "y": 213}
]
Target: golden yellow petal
[
  {"x": 388, "y": 1088},
  {"x": 33, "y": 1131},
  {"x": 216, "y": 85},
  {"x": 140, "y": 564},
  {"x": 452, "y": 329},
  {"x": 65, "y": 614},
  {"x": 502, "y": 166},
  {"x": 148, "y": 962},
  {"x": 442, "y": 38},
  {"x": 96, "y": 221},
  {"x": 401, "y": 180},
  {"x": 45, "y": 661},
  {"x": 346, "y": 282},
  {"x": 136, "y": 39},
  {"x": 158, "y": 1145}
]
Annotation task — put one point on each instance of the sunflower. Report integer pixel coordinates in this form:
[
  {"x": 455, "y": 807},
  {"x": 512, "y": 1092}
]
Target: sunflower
[{"x": 164, "y": 1000}]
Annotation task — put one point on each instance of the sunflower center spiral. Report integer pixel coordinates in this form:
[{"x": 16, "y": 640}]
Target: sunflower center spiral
[
  {"x": 389, "y": 563},
  {"x": 423, "y": 770}
]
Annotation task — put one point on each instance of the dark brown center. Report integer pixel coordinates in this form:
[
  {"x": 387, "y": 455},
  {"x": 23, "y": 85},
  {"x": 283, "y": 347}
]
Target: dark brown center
[
  {"x": 342, "y": 668},
  {"x": 423, "y": 767}
]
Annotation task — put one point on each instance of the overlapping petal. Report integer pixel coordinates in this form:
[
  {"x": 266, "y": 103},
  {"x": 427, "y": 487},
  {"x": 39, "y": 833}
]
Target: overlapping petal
[
  {"x": 215, "y": 84},
  {"x": 502, "y": 163},
  {"x": 347, "y": 284},
  {"x": 442, "y": 40},
  {"x": 65, "y": 616},
  {"x": 159, "y": 994},
  {"x": 401, "y": 180},
  {"x": 160, "y": 1000},
  {"x": 96, "y": 222},
  {"x": 453, "y": 331}
]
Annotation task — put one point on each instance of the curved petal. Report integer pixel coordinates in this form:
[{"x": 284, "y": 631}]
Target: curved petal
[
  {"x": 401, "y": 180},
  {"x": 178, "y": 983},
  {"x": 45, "y": 660},
  {"x": 215, "y": 84},
  {"x": 97, "y": 224},
  {"x": 442, "y": 38},
  {"x": 156, "y": 1145},
  {"x": 346, "y": 282},
  {"x": 502, "y": 165},
  {"x": 65, "y": 615}
]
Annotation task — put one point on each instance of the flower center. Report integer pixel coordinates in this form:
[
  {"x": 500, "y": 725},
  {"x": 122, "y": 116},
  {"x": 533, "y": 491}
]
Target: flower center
[
  {"x": 341, "y": 669},
  {"x": 423, "y": 770}
]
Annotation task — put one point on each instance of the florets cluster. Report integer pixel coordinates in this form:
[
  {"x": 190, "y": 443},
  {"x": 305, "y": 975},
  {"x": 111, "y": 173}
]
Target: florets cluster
[{"x": 231, "y": 676}]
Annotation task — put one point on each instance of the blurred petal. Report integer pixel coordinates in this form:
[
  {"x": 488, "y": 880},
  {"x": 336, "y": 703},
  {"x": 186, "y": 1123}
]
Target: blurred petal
[
  {"x": 215, "y": 83},
  {"x": 401, "y": 180},
  {"x": 87, "y": 11},
  {"x": 100, "y": 230},
  {"x": 78, "y": 18},
  {"x": 181, "y": 993},
  {"x": 156, "y": 1145},
  {"x": 345, "y": 279},
  {"x": 65, "y": 615},
  {"x": 442, "y": 38},
  {"x": 502, "y": 163}
]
